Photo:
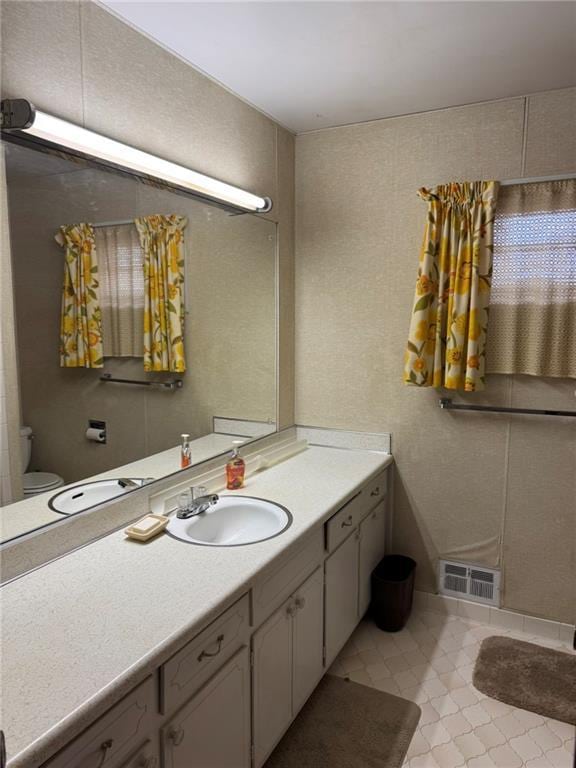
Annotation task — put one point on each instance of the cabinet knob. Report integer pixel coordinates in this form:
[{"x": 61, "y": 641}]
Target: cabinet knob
[
  {"x": 347, "y": 522},
  {"x": 209, "y": 654},
  {"x": 376, "y": 492},
  {"x": 105, "y": 747},
  {"x": 300, "y": 602},
  {"x": 176, "y": 736},
  {"x": 291, "y": 610}
]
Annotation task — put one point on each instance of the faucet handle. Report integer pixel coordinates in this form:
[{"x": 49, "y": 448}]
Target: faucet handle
[{"x": 198, "y": 490}]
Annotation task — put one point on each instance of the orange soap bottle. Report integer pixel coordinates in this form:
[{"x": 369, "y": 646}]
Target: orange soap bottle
[
  {"x": 235, "y": 468},
  {"x": 185, "y": 452}
]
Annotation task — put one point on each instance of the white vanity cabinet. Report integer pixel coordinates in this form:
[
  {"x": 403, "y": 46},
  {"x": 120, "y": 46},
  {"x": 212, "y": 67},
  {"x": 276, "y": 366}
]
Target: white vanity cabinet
[
  {"x": 213, "y": 729},
  {"x": 287, "y": 664},
  {"x": 349, "y": 565},
  {"x": 342, "y": 575},
  {"x": 227, "y": 696},
  {"x": 372, "y": 544}
]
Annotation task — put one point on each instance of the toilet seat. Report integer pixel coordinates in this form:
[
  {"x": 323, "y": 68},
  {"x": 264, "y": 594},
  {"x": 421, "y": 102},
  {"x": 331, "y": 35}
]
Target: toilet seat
[{"x": 34, "y": 483}]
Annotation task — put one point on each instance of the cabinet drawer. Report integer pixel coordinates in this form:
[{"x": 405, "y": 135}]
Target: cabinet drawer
[
  {"x": 375, "y": 491},
  {"x": 191, "y": 667},
  {"x": 344, "y": 521},
  {"x": 116, "y": 734},
  {"x": 352, "y": 513},
  {"x": 283, "y": 578}
]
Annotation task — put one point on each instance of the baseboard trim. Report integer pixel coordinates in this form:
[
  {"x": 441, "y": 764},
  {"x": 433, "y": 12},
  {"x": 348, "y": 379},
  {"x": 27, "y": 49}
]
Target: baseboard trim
[{"x": 497, "y": 617}]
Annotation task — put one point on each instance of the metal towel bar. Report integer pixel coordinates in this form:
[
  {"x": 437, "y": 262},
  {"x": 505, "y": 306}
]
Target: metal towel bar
[
  {"x": 172, "y": 384},
  {"x": 446, "y": 404}
]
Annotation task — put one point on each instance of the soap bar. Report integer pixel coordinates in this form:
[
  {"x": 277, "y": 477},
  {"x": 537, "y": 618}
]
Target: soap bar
[{"x": 147, "y": 527}]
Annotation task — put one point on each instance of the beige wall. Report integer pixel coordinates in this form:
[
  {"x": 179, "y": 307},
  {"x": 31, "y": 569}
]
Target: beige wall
[
  {"x": 10, "y": 469},
  {"x": 489, "y": 488},
  {"x": 230, "y": 325},
  {"x": 77, "y": 61}
]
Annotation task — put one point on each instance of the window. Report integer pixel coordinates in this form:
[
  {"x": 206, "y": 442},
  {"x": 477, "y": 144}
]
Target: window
[
  {"x": 532, "y": 326},
  {"x": 120, "y": 267}
]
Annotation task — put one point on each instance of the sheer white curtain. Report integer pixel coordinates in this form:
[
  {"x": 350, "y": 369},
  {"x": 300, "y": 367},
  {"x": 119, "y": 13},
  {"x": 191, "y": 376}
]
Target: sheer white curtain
[
  {"x": 532, "y": 327},
  {"x": 120, "y": 261}
]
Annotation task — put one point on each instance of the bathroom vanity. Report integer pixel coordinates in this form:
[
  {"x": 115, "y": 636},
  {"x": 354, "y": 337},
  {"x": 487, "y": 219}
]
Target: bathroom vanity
[{"x": 177, "y": 655}]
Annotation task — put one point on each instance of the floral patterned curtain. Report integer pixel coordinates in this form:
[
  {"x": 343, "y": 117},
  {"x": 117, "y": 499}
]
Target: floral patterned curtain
[
  {"x": 162, "y": 239},
  {"x": 447, "y": 339},
  {"x": 81, "y": 319}
]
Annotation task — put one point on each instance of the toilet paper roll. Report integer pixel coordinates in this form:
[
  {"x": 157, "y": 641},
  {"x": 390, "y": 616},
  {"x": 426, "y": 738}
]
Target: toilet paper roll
[{"x": 97, "y": 435}]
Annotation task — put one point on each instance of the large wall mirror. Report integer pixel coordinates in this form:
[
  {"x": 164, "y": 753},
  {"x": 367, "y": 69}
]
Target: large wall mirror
[{"x": 76, "y": 229}]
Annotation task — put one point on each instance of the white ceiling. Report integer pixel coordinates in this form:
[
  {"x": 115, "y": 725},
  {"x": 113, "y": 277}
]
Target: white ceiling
[{"x": 312, "y": 65}]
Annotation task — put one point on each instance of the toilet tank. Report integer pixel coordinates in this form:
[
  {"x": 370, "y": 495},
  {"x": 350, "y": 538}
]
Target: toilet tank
[{"x": 25, "y": 446}]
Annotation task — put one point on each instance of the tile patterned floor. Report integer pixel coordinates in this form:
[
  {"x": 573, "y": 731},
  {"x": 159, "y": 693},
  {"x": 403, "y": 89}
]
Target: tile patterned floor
[{"x": 430, "y": 662}]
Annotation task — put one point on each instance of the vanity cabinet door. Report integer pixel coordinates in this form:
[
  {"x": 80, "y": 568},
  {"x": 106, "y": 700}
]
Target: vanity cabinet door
[
  {"x": 308, "y": 635},
  {"x": 146, "y": 757},
  {"x": 213, "y": 729},
  {"x": 272, "y": 681},
  {"x": 341, "y": 595},
  {"x": 372, "y": 545}
]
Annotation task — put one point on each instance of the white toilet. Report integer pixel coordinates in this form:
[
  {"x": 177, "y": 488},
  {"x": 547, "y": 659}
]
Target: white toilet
[{"x": 34, "y": 483}]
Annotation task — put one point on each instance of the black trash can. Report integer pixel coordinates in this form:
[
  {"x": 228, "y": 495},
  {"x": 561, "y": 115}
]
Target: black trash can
[{"x": 392, "y": 592}]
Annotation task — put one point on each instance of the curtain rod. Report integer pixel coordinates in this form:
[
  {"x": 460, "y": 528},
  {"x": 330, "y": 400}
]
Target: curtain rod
[
  {"x": 171, "y": 384},
  {"x": 537, "y": 179},
  {"x": 113, "y": 223},
  {"x": 60, "y": 240}
]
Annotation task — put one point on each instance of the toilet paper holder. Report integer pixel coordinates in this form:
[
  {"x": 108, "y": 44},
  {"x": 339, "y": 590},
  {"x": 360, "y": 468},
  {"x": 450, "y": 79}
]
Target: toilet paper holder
[{"x": 96, "y": 431}]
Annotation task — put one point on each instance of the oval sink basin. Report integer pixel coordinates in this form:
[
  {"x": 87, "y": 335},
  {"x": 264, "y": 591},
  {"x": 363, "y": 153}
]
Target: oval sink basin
[
  {"x": 232, "y": 522},
  {"x": 86, "y": 495}
]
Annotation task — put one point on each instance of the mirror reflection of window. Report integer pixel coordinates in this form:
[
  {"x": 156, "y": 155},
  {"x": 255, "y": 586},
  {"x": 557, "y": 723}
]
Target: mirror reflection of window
[
  {"x": 142, "y": 258},
  {"x": 121, "y": 270}
]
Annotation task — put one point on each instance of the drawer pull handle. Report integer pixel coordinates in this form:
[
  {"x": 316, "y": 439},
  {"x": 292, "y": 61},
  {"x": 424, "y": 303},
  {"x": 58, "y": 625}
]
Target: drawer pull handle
[
  {"x": 291, "y": 610},
  {"x": 300, "y": 602},
  {"x": 104, "y": 749},
  {"x": 376, "y": 492},
  {"x": 147, "y": 762},
  {"x": 176, "y": 736},
  {"x": 347, "y": 522},
  {"x": 209, "y": 654}
]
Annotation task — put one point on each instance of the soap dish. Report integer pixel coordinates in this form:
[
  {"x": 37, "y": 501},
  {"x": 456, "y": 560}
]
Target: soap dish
[{"x": 147, "y": 527}]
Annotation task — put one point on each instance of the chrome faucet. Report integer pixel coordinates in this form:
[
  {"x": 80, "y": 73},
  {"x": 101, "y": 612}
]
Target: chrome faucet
[
  {"x": 127, "y": 482},
  {"x": 199, "y": 504}
]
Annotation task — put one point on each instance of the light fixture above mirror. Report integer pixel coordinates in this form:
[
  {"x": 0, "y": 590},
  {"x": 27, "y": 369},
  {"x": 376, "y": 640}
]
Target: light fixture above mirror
[{"x": 21, "y": 118}]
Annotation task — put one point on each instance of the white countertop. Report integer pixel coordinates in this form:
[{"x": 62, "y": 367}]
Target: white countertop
[
  {"x": 33, "y": 512},
  {"x": 80, "y": 632}
]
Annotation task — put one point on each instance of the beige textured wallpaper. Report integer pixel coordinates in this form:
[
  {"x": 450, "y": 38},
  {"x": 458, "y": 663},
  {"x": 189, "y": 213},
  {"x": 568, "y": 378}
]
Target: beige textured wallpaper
[
  {"x": 490, "y": 488},
  {"x": 9, "y": 390},
  {"x": 99, "y": 72},
  {"x": 230, "y": 326}
]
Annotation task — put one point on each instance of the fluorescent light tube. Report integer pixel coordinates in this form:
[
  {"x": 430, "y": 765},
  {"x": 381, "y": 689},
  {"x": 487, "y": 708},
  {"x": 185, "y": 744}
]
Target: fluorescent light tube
[{"x": 57, "y": 131}]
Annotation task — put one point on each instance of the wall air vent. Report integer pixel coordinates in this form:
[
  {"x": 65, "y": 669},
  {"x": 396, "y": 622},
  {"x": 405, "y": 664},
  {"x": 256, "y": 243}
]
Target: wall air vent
[{"x": 469, "y": 582}]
